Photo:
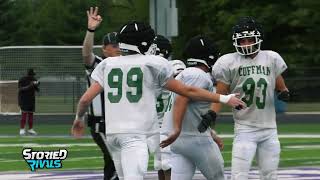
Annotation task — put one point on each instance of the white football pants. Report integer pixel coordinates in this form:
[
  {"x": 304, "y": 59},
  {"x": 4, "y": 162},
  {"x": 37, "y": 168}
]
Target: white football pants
[
  {"x": 162, "y": 156},
  {"x": 263, "y": 143},
  {"x": 191, "y": 152},
  {"x": 130, "y": 155}
]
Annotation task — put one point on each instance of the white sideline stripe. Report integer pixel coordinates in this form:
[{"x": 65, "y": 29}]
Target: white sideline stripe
[
  {"x": 9, "y": 81},
  {"x": 302, "y": 158},
  {"x": 302, "y": 113},
  {"x": 311, "y": 146},
  {"x": 281, "y": 135},
  {"x": 221, "y": 135},
  {"x": 310, "y": 163},
  {"x": 288, "y": 113},
  {"x": 223, "y": 113},
  {"x": 68, "y": 159},
  {"x": 82, "y": 158},
  {"x": 30, "y": 145},
  {"x": 292, "y": 159},
  {"x": 44, "y": 136},
  {"x": 151, "y": 161},
  {"x": 9, "y": 161},
  {"x": 39, "y": 47},
  {"x": 74, "y": 150}
]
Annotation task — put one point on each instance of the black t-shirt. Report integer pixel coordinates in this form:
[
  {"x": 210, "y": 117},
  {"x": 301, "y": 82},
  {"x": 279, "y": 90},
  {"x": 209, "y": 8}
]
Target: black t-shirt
[{"x": 26, "y": 94}]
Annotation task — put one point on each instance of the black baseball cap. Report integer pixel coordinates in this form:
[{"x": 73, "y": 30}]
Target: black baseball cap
[
  {"x": 110, "y": 38},
  {"x": 31, "y": 72}
]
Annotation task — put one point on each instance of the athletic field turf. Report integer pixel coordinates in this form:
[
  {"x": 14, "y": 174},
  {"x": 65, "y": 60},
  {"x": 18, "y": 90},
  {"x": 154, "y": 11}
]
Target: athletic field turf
[
  {"x": 84, "y": 156},
  {"x": 300, "y": 144}
]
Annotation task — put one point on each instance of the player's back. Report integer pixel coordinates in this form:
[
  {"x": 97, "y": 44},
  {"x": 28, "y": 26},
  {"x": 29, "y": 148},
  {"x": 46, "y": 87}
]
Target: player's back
[
  {"x": 131, "y": 85},
  {"x": 198, "y": 78}
]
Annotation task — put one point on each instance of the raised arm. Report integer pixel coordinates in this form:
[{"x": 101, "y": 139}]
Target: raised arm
[{"x": 94, "y": 21}]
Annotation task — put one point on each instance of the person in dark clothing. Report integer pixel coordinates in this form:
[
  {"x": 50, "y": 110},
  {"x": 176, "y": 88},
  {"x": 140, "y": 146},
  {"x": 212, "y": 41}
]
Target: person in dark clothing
[
  {"x": 27, "y": 85},
  {"x": 96, "y": 122}
]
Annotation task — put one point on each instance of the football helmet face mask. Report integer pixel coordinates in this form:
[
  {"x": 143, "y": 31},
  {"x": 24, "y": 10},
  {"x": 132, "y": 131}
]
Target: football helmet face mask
[
  {"x": 200, "y": 50},
  {"x": 247, "y": 27},
  {"x": 135, "y": 36}
]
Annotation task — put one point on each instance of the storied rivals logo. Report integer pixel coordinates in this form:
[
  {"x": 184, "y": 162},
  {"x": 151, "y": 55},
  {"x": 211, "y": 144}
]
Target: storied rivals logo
[{"x": 44, "y": 159}]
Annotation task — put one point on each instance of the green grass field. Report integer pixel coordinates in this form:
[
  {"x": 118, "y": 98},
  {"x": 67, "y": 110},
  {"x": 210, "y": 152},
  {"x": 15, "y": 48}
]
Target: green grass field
[
  {"x": 67, "y": 104},
  {"x": 222, "y": 128},
  {"x": 84, "y": 154}
]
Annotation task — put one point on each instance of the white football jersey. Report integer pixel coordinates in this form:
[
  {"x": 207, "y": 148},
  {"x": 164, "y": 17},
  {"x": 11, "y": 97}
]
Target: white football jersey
[
  {"x": 255, "y": 80},
  {"x": 162, "y": 104},
  {"x": 167, "y": 120},
  {"x": 197, "y": 78},
  {"x": 131, "y": 85}
]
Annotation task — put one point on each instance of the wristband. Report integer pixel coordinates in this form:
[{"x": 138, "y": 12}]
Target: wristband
[
  {"x": 81, "y": 118},
  {"x": 90, "y": 30},
  {"x": 225, "y": 98}
]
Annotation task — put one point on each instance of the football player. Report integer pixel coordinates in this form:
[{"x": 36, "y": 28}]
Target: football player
[
  {"x": 255, "y": 74},
  {"x": 131, "y": 84},
  {"x": 163, "y": 161},
  {"x": 193, "y": 149},
  {"x": 163, "y": 49}
]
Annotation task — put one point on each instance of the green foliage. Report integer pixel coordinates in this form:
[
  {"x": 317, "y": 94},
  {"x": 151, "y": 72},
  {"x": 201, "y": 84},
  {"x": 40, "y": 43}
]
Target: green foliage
[
  {"x": 62, "y": 22},
  {"x": 290, "y": 27}
]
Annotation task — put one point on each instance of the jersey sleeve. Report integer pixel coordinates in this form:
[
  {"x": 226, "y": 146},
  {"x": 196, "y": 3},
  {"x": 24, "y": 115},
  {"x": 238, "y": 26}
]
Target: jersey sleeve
[
  {"x": 165, "y": 73},
  {"x": 194, "y": 79},
  {"x": 279, "y": 65},
  {"x": 98, "y": 73},
  {"x": 221, "y": 72},
  {"x": 96, "y": 61}
]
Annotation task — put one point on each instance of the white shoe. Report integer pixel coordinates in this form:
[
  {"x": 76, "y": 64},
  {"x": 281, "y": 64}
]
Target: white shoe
[
  {"x": 22, "y": 132},
  {"x": 32, "y": 132}
]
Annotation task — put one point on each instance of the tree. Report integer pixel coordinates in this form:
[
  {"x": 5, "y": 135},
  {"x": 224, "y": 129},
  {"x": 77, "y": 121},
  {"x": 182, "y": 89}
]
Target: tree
[{"x": 290, "y": 27}]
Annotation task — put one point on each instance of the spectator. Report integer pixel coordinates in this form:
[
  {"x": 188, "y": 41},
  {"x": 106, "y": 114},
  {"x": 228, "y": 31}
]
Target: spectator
[{"x": 27, "y": 86}]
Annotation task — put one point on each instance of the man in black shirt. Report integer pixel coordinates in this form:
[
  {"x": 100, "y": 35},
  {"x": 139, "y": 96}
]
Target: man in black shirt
[{"x": 26, "y": 99}]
